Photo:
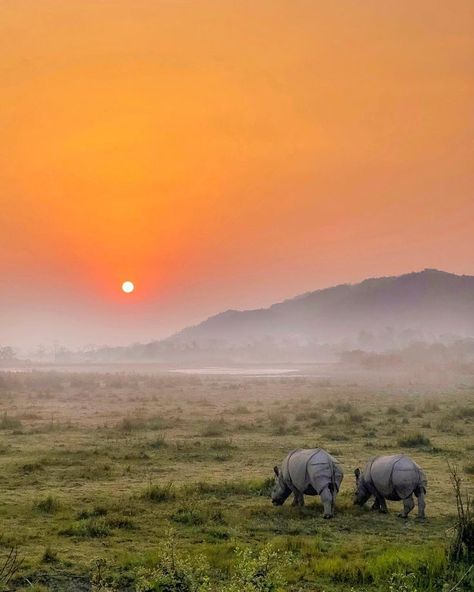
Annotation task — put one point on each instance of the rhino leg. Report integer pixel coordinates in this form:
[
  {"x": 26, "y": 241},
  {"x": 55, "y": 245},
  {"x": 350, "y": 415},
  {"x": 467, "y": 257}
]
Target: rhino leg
[
  {"x": 379, "y": 504},
  {"x": 298, "y": 499},
  {"x": 328, "y": 502},
  {"x": 408, "y": 505},
  {"x": 420, "y": 494}
]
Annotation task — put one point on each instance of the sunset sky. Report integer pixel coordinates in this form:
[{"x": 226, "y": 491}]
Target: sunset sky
[{"x": 224, "y": 154}]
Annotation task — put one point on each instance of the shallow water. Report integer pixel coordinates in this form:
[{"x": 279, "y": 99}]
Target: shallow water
[
  {"x": 235, "y": 371},
  {"x": 151, "y": 368}
]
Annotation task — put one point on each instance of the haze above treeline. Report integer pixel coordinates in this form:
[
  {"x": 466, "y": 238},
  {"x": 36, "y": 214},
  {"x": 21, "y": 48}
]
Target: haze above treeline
[{"x": 431, "y": 312}]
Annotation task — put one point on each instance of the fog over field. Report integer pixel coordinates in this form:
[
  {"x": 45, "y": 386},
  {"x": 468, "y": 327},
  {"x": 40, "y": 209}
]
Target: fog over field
[{"x": 420, "y": 320}]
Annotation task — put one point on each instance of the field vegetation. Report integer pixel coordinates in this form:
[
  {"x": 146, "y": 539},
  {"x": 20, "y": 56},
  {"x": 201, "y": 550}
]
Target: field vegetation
[{"x": 162, "y": 482}]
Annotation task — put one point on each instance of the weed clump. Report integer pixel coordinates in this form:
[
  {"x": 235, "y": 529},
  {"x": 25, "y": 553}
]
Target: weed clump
[
  {"x": 257, "y": 487},
  {"x": 48, "y": 505},
  {"x": 414, "y": 441},
  {"x": 213, "y": 429},
  {"x": 462, "y": 544},
  {"x": 94, "y": 513},
  {"x": 159, "y": 493},
  {"x": 159, "y": 442},
  {"x": 469, "y": 469},
  {"x": 174, "y": 571},
  {"x": 94, "y": 528},
  {"x": 258, "y": 571},
  {"x": 188, "y": 515},
  {"x": 462, "y": 412},
  {"x": 130, "y": 424},
  {"x": 10, "y": 423},
  {"x": 49, "y": 556}
]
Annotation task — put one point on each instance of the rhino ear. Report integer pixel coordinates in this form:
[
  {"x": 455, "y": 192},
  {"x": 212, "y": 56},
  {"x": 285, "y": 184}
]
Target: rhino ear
[
  {"x": 276, "y": 470},
  {"x": 357, "y": 473}
]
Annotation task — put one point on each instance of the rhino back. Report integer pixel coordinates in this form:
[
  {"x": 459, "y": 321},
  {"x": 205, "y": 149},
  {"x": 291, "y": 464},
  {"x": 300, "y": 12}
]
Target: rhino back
[
  {"x": 313, "y": 468},
  {"x": 395, "y": 476}
]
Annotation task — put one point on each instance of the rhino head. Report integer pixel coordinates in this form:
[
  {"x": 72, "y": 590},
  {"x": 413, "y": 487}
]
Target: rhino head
[
  {"x": 362, "y": 492},
  {"x": 280, "y": 490}
]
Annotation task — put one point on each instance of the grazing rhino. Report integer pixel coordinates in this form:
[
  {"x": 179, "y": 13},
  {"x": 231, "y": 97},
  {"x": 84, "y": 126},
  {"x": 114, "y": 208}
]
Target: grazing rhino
[
  {"x": 310, "y": 472},
  {"x": 395, "y": 477}
]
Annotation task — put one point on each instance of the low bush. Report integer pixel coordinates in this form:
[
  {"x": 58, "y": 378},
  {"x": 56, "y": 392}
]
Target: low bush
[
  {"x": 189, "y": 516},
  {"x": 469, "y": 469},
  {"x": 414, "y": 441},
  {"x": 130, "y": 424},
  {"x": 159, "y": 442},
  {"x": 461, "y": 547},
  {"x": 256, "y": 487},
  {"x": 222, "y": 444},
  {"x": 10, "y": 423},
  {"x": 49, "y": 556},
  {"x": 159, "y": 493},
  {"x": 427, "y": 564},
  {"x": 462, "y": 412},
  {"x": 174, "y": 571},
  {"x": 93, "y": 528},
  {"x": 213, "y": 429},
  {"x": 48, "y": 505},
  {"x": 94, "y": 513},
  {"x": 258, "y": 571}
]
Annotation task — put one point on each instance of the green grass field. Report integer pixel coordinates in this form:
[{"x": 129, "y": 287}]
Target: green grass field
[{"x": 98, "y": 470}]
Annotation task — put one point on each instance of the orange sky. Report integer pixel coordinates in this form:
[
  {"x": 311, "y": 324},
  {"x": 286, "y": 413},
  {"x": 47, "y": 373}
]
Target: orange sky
[{"x": 224, "y": 154}]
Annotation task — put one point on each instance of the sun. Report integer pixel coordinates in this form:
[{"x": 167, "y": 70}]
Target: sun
[{"x": 128, "y": 287}]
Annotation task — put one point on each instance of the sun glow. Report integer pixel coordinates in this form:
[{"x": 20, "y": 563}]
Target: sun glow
[{"x": 128, "y": 287}]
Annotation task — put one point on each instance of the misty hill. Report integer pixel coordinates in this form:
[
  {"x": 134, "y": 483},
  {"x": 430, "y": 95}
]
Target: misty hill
[
  {"x": 377, "y": 315},
  {"x": 387, "y": 311}
]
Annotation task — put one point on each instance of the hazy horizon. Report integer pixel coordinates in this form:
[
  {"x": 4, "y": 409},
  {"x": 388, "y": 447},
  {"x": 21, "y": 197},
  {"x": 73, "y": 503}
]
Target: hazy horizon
[
  {"x": 283, "y": 328},
  {"x": 224, "y": 156}
]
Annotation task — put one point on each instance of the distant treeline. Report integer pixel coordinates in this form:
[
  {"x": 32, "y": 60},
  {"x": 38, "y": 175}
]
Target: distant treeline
[{"x": 457, "y": 357}]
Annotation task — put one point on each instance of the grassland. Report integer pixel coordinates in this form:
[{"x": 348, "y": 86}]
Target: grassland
[{"x": 97, "y": 468}]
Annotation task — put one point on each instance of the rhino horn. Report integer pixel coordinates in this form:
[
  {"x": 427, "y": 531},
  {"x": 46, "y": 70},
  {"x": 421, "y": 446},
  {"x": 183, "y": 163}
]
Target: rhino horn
[
  {"x": 276, "y": 470},
  {"x": 357, "y": 473}
]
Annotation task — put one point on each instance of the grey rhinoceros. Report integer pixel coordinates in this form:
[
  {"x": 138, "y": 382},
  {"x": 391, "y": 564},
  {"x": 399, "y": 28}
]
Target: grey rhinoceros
[
  {"x": 395, "y": 477},
  {"x": 308, "y": 472}
]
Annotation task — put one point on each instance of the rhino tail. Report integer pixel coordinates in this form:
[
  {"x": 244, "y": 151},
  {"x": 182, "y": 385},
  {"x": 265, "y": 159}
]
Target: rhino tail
[{"x": 420, "y": 489}]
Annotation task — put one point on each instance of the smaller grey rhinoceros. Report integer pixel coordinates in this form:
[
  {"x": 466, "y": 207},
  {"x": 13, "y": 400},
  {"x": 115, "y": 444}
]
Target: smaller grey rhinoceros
[
  {"x": 308, "y": 472},
  {"x": 395, "y": 477}
]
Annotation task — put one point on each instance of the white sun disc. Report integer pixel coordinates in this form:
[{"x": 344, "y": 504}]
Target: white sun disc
[{"x": 128, "y": 287}]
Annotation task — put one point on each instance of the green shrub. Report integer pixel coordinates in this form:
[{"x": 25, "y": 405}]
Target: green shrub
[
  {"x": 29, "y": 468},
  {"x": 48, "y": 505},
  {"x": 49, "y": 556},
  {"x": 341, "y": 570},
  {"x": 256, "y": 487},
  {"x": 462, "y": 412},
  {"x": 94, "y": 513},
  {"x": 159, "y": 493},
  {"x": 427, "y": 563},
  {"x": 188, "y": 515},
  {"x": 213, "y": 429},
  {"x": 9, "y": 423},
  {"x": 174, "y": 571},
  {"x": 239, "y": 410},
  {"x": 469, "y": 469},
  {"x": 130, "y": 424},
  {"x": 402, "y": 582},
  {"x": 159, "y": 442},
  {"x": 120, "y": 522},
  {"x": 258, "y": 571},
  {"x": 414, "y": 441},
  {"x": 222, "y": 444},
  {"x": 93, "y": 528}
]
